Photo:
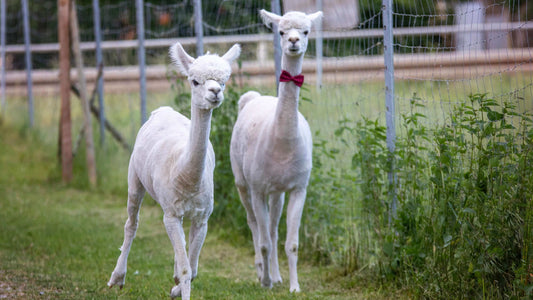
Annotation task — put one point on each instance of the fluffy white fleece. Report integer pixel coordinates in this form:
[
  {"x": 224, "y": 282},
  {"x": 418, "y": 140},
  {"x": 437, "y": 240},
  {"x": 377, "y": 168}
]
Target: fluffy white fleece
[
  {"x": 210, "y": 66},
  {"x": 205, "y": 67},
  {"x": 292, "y": 19}
]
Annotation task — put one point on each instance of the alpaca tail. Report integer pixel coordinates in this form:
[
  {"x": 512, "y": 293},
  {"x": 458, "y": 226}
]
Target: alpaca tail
[{"x": 246, "y": 98}]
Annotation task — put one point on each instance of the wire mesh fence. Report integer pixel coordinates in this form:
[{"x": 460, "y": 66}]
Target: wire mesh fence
[{"x": 443, "y": 50}]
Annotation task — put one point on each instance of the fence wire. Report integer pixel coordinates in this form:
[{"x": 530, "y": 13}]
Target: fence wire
[{"x": 443, "y": 50}]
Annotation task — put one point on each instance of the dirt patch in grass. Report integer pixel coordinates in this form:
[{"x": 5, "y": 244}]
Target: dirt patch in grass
[{"x": 20, "y": 286}]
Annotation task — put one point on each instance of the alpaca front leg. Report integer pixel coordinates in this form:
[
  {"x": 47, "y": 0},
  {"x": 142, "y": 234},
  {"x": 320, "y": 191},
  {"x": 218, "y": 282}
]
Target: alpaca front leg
[
  {"x": 182, "y": 269},
  {"x": 276, "y": 209},
  {"x": 260, "y": 207},
  {"x": 118, "y": 277},
  {"x": 196, "y": 240},
  {"x": 294, "y": 216}
]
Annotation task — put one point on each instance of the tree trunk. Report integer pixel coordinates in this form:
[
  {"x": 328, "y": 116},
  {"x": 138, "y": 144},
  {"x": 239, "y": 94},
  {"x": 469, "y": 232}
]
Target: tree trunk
[
  {"x": 87, "y": 125},
  {"x": 65, "y": 135}
]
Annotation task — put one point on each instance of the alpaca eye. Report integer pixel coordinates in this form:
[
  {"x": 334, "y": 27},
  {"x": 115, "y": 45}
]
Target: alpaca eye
[
  {"x": 306, "y": 32},
  {"x": 281, "y": 33},
  {"x": 195, "y": 83}
]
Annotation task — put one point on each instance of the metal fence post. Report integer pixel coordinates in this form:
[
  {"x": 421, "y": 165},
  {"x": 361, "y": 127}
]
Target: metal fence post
[
  {"x": 25, "y": 16},
  {"x": 319, "y": 47},
  {"x": 276, "y": 8},
  {"x": 198, "y": 27},
  {"x": 100, "y": 84},
  {"x": 389, "y": 100},
  {"x": 3, "y": 55},
  {"x": 141, "y": 57}
]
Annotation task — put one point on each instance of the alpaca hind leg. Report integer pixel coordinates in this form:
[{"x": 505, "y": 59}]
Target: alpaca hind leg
[
  {"x": 135, "y": 196},
  {"x": 252, "y": 224},
  {"x": 276, "y": 209},
  {"x": 182, "y": 269},
  {"x": 294, "y": 216},
  {"x": 260, "y": 206}
]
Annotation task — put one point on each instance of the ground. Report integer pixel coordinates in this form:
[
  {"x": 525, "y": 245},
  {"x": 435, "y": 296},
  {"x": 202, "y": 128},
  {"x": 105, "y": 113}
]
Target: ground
[{"x": 60, "y": 241}]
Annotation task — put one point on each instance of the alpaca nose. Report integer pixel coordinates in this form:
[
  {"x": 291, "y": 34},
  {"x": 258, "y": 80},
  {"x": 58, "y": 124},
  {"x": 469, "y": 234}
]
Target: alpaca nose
[
  {"x": 214, "y": 90},
  {"x": 294, "y": 39}
]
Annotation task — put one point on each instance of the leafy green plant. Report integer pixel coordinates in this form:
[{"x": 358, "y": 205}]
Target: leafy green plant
[
  {"x": 463, "y": 226},
  {"x": 473, "y": 230}
]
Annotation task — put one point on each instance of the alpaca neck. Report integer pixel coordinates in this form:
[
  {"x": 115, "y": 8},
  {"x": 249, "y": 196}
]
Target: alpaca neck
[
  {"x": 286, "y": 124},
  {"x": 193, "y": 166}
]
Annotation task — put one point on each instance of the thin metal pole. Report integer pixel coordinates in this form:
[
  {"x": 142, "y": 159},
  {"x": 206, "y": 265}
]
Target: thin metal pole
[
  {"x": 142, "y": 57},
  {"x": 25, "y": 16},
  {"x": 275, "y": 7},
  {"x": 198, "y": 27},
  {"x": 100, "y": 84},
  {"x": 389, "y": 99},
  {"x": 319, "y": 49},
  {"x": 3, "y": 54}
]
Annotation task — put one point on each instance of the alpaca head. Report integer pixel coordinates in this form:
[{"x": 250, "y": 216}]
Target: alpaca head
[
  {"x": 294, "y": 28},
  {"x": 207, "y": 74}
]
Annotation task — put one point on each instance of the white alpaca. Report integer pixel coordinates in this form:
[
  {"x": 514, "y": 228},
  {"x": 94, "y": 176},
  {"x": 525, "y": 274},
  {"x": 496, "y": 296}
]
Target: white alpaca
[
  {"x": 173, "y": 161},
  {"x": 271, "y": 153}
]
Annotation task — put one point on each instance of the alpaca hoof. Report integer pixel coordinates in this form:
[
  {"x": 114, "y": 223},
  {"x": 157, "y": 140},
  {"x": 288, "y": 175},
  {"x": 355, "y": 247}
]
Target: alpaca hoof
[
  {"x": 295, "y": 289},
  {"x": 267, "y": 283},
  {"x": 259, "y": 270},
  {"x": 175, "y": 292},
  {"x": 276, "y": 278},
  {"x": 117, "y": 279}
]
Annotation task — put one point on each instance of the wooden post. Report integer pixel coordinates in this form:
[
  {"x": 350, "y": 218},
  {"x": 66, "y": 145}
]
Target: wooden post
[
  {"x": 87, "y": 124},
  {"x": 65, "y": 136}
]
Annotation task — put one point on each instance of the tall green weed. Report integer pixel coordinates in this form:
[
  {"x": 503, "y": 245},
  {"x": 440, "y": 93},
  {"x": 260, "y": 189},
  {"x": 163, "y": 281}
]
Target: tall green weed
[{"x": 464, "y": 192}]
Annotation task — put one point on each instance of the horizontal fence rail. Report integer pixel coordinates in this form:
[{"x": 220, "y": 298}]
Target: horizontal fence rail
[
  {"x": 268, "y": 37},
  {"x": 452, "y": 66}
]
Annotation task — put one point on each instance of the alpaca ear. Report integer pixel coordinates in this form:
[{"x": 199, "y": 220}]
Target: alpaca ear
[
  {"x": 232, "y": 53},
  {"x": 269, "y": 18},
  {"x": 315, "y": 17},
  {"x": 180, "y": 58}
]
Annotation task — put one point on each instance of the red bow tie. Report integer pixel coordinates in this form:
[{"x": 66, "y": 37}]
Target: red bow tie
[{"x": 286, "y": 77}]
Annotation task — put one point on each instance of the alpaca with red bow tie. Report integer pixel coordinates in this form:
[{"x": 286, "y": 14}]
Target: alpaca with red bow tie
[{"x": 271, "y": 153}]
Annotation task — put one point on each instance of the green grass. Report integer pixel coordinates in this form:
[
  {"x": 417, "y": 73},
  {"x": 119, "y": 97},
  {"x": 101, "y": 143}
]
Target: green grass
[{"x": 61, "y": 241}]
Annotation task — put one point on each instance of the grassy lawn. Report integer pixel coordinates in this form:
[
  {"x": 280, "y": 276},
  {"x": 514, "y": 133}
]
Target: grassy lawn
[{"x": 61, "y": 242}]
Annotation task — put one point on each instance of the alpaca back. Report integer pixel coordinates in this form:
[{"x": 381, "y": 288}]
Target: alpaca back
[
  {"x": 246, "y": 97},
  {"x": 287, "y": 165}
]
